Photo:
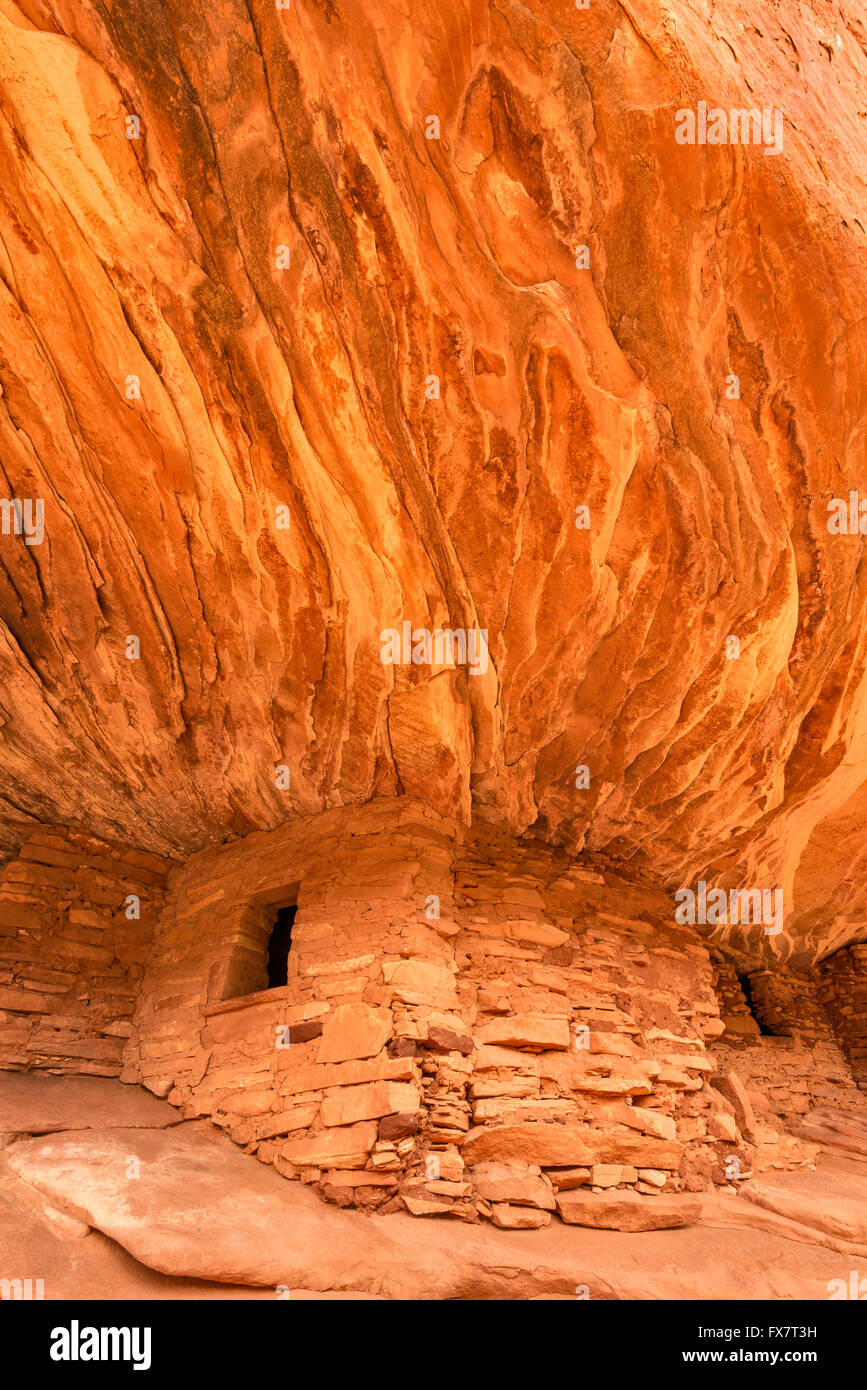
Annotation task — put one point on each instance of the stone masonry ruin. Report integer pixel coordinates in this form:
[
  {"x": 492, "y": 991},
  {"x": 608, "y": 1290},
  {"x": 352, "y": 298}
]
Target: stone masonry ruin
[{"x": 469, "y": 1025}]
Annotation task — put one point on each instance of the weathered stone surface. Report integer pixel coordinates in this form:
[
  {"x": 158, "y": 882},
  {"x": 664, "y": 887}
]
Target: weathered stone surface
[
  {"x": 732, "y": 1088},
  {"x": 298, "y": 1117},
  {"x": 446, "y": 1040},
  {"x": 234, "y": 381},
  {"x": 741, "y": 1023},
  {"x": 347, "y": 1104},
  {"x": 506, "y": 1083},
  {"x": 842, "y": 1215},
  {"x": 564, "y": 1179},
  {"x": 25, "y": 1000},
  {"x": 513, "y": 1108},
  {"x": 612, "y": 1174},
  {"x": 399, "y": 1126},
  {"x": 353, "y": 1178},
  {"x": 639, "y": 1117},
  {"x": 652, "y": 1177},
  {"x": 303, "y": 1032},
  {"x": 635, "y": 1149},
  {"x": 32, "y": 1103},
  {"x": 203, "y": 1210},
  {"x": 550, "y": 1146},
  {"x": 536, "y": 1031},
  {"x": 847, "y": 1134},
  {"x": 487, "y": 1056},
  {"x": 346, "y": 1147},
  {"x": 567, "y": 1146},
  {"x": 314, "y": 1078},
  {"x": 420, "y": 982},
  {"x": 424, "y": 1206},
  {"x": 253, "y": 1102},
  {"x": 518, "y": 1218},
  {"x": 354, "y": 1031},
  {"x": 627, "y": 1211},
  {"x": 512, "y": 1183},
  {"x": 579, "y": 1072}
]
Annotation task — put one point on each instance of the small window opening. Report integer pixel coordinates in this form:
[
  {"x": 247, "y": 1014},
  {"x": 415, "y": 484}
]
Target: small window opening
[{"x": 279, "y": 943}]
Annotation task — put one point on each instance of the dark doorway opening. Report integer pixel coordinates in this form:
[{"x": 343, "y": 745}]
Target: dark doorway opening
[
  {"x": 751, "y": 1005},
  {"x": 279, "y": 944}
]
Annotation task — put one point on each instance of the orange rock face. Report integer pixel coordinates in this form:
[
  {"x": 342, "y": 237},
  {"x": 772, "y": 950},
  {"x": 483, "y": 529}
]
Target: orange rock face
[{"x": 325, "y": 320}]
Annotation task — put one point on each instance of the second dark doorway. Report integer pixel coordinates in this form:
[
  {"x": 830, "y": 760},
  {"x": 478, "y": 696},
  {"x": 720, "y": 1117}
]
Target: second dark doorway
[{"x": 279, "y": 943}]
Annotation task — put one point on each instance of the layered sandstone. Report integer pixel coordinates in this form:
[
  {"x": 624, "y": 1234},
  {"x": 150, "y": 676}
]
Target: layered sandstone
[{"x": 217, "y": 340}]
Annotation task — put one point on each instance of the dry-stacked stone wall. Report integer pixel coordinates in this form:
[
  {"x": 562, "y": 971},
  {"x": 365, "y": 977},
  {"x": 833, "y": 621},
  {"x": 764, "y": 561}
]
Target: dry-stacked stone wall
[
  {"x": 591, "y": 1013},
  {"x": 470, "y": 1025},
  {"x": 843, "y": 990},
  {"x": 734, "y": 1006},
  {"x": 788, "y": 1005},
  {"x": 794, "y": 1062},
  {"x": 311, "y": 1076},
  {"x": 77, "y": 916},
  {"x": 468, "y": 1028}
]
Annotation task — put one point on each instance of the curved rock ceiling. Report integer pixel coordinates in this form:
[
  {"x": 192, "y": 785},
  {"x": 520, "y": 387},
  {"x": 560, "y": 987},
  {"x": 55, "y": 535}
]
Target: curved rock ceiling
[{"x": 284, "y": 259}]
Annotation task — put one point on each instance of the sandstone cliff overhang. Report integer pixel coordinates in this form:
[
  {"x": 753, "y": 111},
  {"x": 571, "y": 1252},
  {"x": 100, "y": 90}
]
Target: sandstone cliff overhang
[{"x": 290, "y": 364}]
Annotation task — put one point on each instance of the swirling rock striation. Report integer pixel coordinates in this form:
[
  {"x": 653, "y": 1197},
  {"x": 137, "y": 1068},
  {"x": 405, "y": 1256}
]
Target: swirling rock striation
[{"x": 232, "y": 262}]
